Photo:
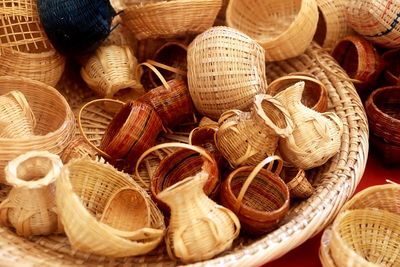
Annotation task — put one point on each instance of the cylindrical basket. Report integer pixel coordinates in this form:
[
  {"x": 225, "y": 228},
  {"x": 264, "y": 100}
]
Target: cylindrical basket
[
  {"x": 220, "y": 83},
  {"x": 283, "y": 28},
  {"x": 55, "y": 122},
  {"x": 166, "y": 19}
]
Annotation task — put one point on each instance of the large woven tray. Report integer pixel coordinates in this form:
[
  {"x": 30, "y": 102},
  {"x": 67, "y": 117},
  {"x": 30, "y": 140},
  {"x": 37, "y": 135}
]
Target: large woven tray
[{"x": 335, "y": 182}]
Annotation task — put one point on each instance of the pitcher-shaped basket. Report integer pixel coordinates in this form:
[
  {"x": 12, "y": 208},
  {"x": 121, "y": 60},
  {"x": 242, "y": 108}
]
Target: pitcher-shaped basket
[
  {"x": 246, "y": 138},
  {"x": 316, "y": 136},
  {"x": 17, "y": 116},
  {"x": 110, "y": 69},
  {"x": 199, "y": 228},
  {"x": 30, "y": 207}
]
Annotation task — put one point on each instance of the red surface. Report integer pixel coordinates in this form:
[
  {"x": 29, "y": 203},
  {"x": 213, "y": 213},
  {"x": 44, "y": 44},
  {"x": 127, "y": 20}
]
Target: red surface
[{"x": 306, "y": 255}]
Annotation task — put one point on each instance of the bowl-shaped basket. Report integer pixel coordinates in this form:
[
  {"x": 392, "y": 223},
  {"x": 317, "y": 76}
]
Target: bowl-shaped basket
[
  {"x": 283, "y": 28},
  {"x": 55, "y": 122},
  {"x": 165, "y": 19}
]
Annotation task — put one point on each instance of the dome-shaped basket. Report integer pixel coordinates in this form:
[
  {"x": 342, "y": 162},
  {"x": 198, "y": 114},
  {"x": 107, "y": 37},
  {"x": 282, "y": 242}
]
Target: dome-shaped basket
[
  {"x": 55, "y": 122},
  {"x": 283, "y": 28},
  {"x": 165, "y": 19}
]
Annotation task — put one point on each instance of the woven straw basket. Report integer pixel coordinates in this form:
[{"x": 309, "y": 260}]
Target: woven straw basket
[
  {"x": 55, "y": 123},
  {"x": 165, "y": 19},
  {"x": 334, "y": 183},
  {"x": 283, "y": 28}
]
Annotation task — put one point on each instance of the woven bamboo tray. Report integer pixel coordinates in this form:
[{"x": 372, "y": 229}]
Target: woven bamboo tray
[{"x": 334, "y": 183}]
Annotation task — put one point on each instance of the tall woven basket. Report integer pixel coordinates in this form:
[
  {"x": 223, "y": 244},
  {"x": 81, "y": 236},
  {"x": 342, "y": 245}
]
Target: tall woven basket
[{"x": 334, "y": 183}]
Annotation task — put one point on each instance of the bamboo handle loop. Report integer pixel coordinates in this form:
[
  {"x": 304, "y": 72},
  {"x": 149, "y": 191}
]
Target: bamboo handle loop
[
  {"x": 156, "y": 72},
  {"x": 166, "y": 67}
]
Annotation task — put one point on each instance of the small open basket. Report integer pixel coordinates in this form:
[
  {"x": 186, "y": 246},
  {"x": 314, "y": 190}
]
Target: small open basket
[{"x": 166, "y": 19}]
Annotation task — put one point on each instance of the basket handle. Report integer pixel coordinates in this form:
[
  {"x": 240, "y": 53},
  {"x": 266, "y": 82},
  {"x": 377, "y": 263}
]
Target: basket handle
[
  {"x": 166, "y": 67},
  {"x": 256, "y": 170},
  {"x": 98, "y": 150},
  {"x": 21, "y": 100},
  {"x": 156, "y": 72}
]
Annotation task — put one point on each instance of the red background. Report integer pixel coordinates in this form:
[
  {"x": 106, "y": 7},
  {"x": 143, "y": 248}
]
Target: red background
[{"x": 307, "y": 255}]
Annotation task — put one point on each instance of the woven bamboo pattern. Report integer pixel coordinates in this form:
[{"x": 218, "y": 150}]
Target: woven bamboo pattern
[
  {"x": 297, "y": 182},
  {"x": 83, "y": 190},
  {"x": 283, "y": 28},
  {"x": 166, "y": 19},
  {"x": 332, "y": 23},
  {"x": 377, "y": 21},
  {"x": 76, "y": 149},
  {"x": 55, "y": 122},
  {"x": 17, "y": 116},
  {"x": 334, "y": 182},
  {"x": 366, "y": 238},
  {"x": 219, "y": 83},
  {"x": 383, "y": 111},
  {"x": 110, "y": 69},
  {"x": 30, "y": 207}
]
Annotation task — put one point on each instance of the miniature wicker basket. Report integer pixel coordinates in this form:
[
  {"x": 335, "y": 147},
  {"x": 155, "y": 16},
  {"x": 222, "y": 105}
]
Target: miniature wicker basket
[
  {"x": 297, "y": 182},
  {"x": 283, "y": 28},
  {"x": 76, "y": 149},
  {"x": 377, "y": 21},
  {"x": 55, "y": 122},
  {"x": 166, "y": 19},
  {"x": 220, "y": 83},
  {"x": 84, "y": 189}
]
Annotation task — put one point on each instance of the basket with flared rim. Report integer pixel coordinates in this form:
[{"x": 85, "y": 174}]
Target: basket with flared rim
[
  {"x": 55, "y": 122},
  {"x": 284, "y": 29},
  {"x": 166, "y": 19},
  {"x": 84, "y": 190}
]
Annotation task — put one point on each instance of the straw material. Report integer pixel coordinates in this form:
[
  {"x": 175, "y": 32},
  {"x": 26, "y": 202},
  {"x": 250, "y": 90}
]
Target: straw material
[
  {"x": 55, "y": 123},
  {"x": 297, "y": 183},
  {"x": 17, "y": 116},
  {"x": 366, "y": 238},
  {"x": 166, "y": 19},
  {"x": 199, "y": 228},
  {"x": 284, "y": 29},
  {"x": 334, "y": 183},
  {"x": 83, "y": 190},
  {"x": 377, "y": 21},
  {"x": 30, "y": 207},
  {"x": 76, "y": 149},
  {"x": 219, "y": 83},
  {"x": 316, "y": 136},
  {"x": 110, "y": 69},
  {"x": 332, "y": 23},
  {"x": 246, "y": 138},
  {"x": 257, "y": 196},
  {"x": 383, "y": 112}
]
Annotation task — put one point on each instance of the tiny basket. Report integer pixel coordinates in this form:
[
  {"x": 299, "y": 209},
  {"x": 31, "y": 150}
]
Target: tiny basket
[
  {"x": 84, "y": 189},
  {"x": 375, "y": 20},
  {"x": 284, "y": 29},
  {"x": 259, "y": 197},
  {"x": 55, "y": 122},
  {"x": 166, "y": 19},
  {"x": 17, "y": 116},
  {"x": 218, "y": 84},
  {"x": 297, "y": 182},
  {"x": 77, "y": 148},
  {"x": 383, "y": 111}
]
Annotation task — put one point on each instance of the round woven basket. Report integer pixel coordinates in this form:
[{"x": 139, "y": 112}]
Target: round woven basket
[
  {"x": 55, "y": 122},
  {"x": 334, "y": 183},
  {"x": 165, "y": 19},
  {"x": 283, "y": 28}
]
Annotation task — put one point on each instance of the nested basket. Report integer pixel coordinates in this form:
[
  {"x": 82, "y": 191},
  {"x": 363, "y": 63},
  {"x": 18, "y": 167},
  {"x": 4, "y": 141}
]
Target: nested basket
[
  {"x": 218, "y": 83},
  {"x": 283, "y": 28},
  {"x": 377, "y": 21},
  {"x": 84, "y": 190},
  {"x": 334, "y": 182},
  {"x": 166, "y": 19},
  {"x": 55, "y": 122}
]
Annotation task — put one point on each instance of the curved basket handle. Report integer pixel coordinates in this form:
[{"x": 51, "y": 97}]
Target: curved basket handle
[
  {"x": 166, "y": 67},
  {"x": 199, "y": 150},
  {"x": 234, "y": 219},
  {"x": 98, "y": 150},
  {"x": 21, "y": 100},
  {"x": 256, "y": 170},
  {"x": 139, "y": 73}
]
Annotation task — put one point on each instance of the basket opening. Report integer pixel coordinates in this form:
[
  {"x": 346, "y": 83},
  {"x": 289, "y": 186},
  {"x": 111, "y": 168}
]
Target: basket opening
[
  {"x": 320, "y": 34},
  {"x": 388, "y": 101},
  {"x": 274, "y": 114},
  {"x": 347, "y": 56},
  {"x": 34, "y": 169}
]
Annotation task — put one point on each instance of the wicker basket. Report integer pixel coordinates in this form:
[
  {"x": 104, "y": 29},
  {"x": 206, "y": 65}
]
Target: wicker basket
[
  {"x": 391, "y": 70},
  {"x": 334, "y": 183},
  {"x": 220, "y": 83},
  {"x": 55, "y": 123},
  {"x": 166, "y": 19},
  {"x": 377, "y": 21},
  {"x": 283, "y": 28}
]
